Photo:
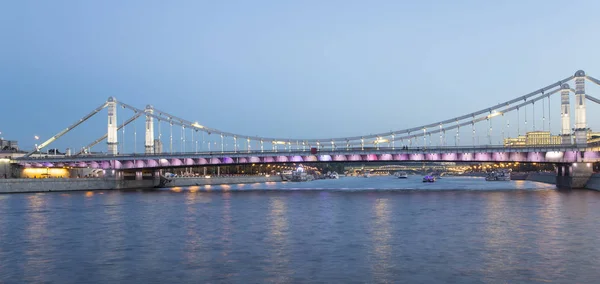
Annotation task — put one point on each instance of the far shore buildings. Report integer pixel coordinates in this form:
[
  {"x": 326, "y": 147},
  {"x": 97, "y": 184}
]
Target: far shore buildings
[
  {"x": 533, "y": 138},
  {"x": 8, "y": 145}
]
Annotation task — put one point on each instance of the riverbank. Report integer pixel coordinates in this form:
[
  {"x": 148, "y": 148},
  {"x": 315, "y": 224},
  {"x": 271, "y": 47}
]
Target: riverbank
[
  {"x": 84, "y": 184},
  {"x": 545, "y": 177},
  {"x": 69, "y": 184},
  {"x": 593, "y": 183}
]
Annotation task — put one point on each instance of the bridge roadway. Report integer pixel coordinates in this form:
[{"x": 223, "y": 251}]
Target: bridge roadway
[{"x": 542, "y": 154}]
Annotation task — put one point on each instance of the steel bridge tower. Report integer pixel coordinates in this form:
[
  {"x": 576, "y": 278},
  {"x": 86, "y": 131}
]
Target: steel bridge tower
[
  {"x": 565, "y": 114},
  {"x": 580, "y": 118},
  {"x": 149, "y": 144},
  {"x": 111, "y": 139}
]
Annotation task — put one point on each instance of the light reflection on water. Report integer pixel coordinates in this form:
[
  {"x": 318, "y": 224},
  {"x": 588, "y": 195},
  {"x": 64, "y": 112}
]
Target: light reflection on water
[
  {"x": 456, "y": 230},
  {"x": 227, "y": 226},
  {"x": 193, "y": 239},
  {"x": 36, "y": 235},
  {"x": 382, "y": 260},
  {"x": 113, "y": 234},
  {"x": 379, "y": 183},
  {"x": 279, "y": 235}
]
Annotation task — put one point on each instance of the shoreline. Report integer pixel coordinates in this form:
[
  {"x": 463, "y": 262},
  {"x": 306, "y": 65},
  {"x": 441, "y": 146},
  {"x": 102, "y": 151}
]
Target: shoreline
[
  {"x": 10, "y": 186},
  {"x": 15, "y": 186}
]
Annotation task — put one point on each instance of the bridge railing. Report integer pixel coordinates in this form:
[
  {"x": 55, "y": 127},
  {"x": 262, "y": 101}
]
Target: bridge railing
[{"x": 325, "y": 151}]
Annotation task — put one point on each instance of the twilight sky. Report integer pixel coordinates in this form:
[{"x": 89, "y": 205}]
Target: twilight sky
[{"x": 307, "y": 69}]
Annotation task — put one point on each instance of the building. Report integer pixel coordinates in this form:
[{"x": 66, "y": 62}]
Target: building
[
  {"x": 533, "y": 138},
  {"x": 8, "y": 145}
]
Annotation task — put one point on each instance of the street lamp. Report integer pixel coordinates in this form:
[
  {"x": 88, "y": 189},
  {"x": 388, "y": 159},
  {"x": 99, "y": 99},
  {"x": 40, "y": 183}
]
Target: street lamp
[{"x": 36, "y": 139}]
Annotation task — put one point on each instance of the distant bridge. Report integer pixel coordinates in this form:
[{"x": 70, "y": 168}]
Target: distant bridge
[
  {"x": 200, "y": 145},
  {"x": 547, "y": 154}
]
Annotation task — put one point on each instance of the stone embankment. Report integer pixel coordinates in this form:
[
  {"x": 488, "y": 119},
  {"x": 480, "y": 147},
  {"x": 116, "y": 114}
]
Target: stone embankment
[
  {"x": 69, "y": 184},
  {"x": 545, "y": 177},
  {"x": 593, "y": 182},
  {"x": 79, "y": 184}
]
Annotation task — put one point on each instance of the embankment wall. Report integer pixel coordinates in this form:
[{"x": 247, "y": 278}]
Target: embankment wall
[
  {"x": 69, "y": 184},
  {"x": 593, "y": 182},
  {"x": 542, "y": 177}
]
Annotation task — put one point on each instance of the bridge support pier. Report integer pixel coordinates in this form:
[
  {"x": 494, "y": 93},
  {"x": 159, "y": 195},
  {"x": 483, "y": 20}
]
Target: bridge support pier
[{"x": 573, "y": 176}]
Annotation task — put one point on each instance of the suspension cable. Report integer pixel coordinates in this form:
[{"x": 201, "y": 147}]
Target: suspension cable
[
  {"x": 533, "y": 115},
  {"x": 518, "y": 123},
  {"x": 371, "y": 136},
  {"x": 549, "y": 112},
  {"x": 543, "y": 115}
]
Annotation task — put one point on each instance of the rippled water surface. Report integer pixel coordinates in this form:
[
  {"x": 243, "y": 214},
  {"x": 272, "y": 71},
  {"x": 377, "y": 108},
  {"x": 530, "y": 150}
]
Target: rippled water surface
[{"x": 351, "y": 230}]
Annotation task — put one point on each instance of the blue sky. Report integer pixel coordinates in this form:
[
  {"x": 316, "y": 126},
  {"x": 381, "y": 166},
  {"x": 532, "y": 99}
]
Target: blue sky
[{"x": 310, "y": 69}]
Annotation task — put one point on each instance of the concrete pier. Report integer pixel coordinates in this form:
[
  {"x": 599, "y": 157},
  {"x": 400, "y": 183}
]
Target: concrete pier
[{"x": 573, "y": 176}]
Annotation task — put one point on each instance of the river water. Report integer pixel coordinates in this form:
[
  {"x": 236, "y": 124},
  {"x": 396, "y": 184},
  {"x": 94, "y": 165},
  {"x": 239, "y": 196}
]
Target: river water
[{"x": 351, "y": 230}]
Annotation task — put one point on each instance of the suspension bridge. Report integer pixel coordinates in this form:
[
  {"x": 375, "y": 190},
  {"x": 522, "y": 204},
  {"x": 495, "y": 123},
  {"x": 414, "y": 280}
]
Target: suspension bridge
[{"x": 455, "y": 139}]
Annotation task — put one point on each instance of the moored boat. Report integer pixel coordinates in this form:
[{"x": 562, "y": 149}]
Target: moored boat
[
  {"x": 428, "y": 179},
  {"x": 502, "y": 175},
  {"x": 401, "y": 175}
]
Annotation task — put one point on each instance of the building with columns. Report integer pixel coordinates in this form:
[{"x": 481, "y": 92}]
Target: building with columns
[{"x": 533, "y": 138}]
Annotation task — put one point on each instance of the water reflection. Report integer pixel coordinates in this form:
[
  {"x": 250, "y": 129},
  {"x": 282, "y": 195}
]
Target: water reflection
[
  {"x": 382, "y": 249},
  {"x": 154, "y": 232},
  {"x": 113, "y": 245},
  {"x": 37, "y": 250},
  {"x": 279, "y": 234},
  {"x": 496, "y": 234},
  {"x": 548, "y": 243},
  {"x": 472, "y": 236},
  {"x": 520, "y": 184},
  {"x": 508, "y": 238},
  {"x": 4, "y": 229},
  {"x": 193, "y": 239},
  {"x": 226, "y": 223},
  {"x": 327, "y": 210}
]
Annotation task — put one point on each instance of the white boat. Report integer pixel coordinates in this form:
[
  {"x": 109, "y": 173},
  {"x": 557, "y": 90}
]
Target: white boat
[
  {"x": 300, "y": 175},
  {"x": 332, "y": 175},
  {"x": 501, "y": 175},
  {"x": 401, "y": 175}
]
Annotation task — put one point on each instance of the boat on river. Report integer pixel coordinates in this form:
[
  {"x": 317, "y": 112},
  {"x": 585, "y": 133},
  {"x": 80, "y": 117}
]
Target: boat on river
[
  {"x": 428, "y": 178},
  {"x": 502, "y": 175},
  {"x": 401, "y": 175},
  {"x": 299, "y": 175}
]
